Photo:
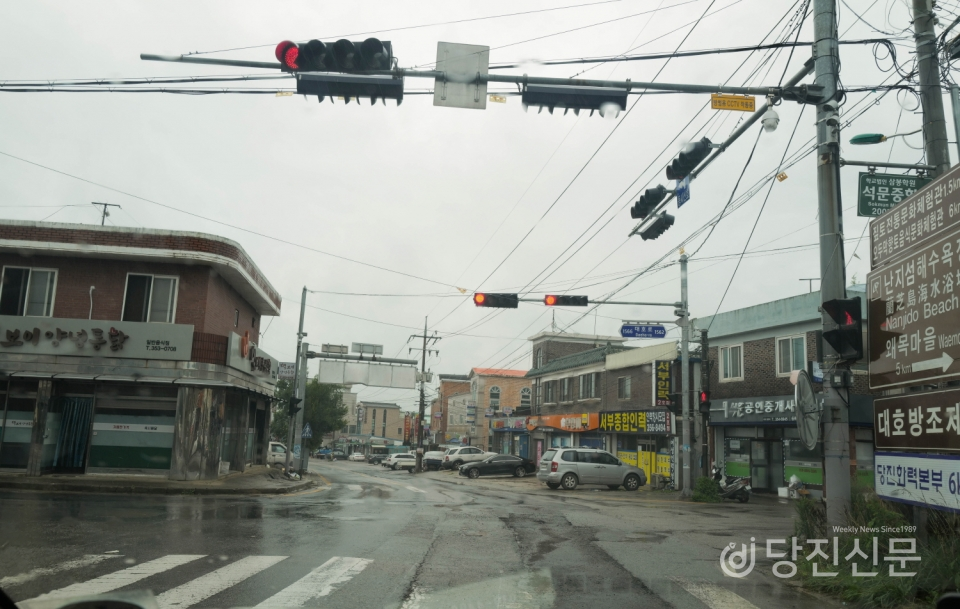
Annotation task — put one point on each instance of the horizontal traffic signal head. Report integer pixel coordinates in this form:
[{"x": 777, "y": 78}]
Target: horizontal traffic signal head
[
  {"x": 648, "y": 202},
  {"x": 553, "y": 300},
  {"x": 499, "y": 301},
  {"x": 688, "y": 160},
  {"x": 847, "y": 338},
  {"x": 658, "y": 227}
]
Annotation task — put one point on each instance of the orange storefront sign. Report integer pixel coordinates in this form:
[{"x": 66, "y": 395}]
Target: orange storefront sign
[{"x": 587, "y": 421}]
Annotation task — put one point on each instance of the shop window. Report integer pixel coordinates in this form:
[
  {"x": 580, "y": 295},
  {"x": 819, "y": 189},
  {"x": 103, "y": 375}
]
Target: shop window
[
  {"x": 150, "y": 298},
  {"x": 27, "y": 291},
  {"x": 495, "y": 397},
  {"x": 791, "y": 355},
  {"x": 623, "y": 388},
  {"x": 731, "y": 363},
  {"x": 525, "y": 397}
]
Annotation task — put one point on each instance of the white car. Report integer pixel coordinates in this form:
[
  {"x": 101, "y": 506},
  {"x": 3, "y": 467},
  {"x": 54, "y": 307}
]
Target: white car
[
  {"x": 455, "y": 457},
  {"x": 358, "y": 457},
  {"x": 277, "y": 454},
  {"x": 401, "y": 461}
]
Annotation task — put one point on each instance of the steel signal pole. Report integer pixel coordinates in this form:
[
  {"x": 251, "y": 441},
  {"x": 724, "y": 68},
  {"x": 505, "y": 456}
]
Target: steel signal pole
[
  {"x": 931, "y": 96},
  {"x": 687, "y": 447}
]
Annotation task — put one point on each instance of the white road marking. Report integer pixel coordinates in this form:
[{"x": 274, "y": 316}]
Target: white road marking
[
  {"x": 320, "y": 582},
  {"x": 714, "y": 596},
  {"x": 354, "y": 487},
  {"x": 124, "y": 577},
  {"x": 207, "y": 585},
  {"x": 415, "y": 489},
  {"x": 22, "y": 578}
]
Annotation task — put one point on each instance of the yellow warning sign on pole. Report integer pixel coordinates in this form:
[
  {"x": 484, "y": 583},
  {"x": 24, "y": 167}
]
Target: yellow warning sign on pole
[{"x": 741, "y": 103}]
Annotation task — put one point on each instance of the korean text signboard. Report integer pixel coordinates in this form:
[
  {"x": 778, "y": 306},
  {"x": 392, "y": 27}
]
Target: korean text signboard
[
  {"x": 246, "y": 356},
  {"x": 661, "y": 383},
  {"x": 769, "y": 410},
  {"x": 931, "y": 210},
  {"x": 918, "y": 421},
  {"x": 880, "y": 192},
  {"x": 636, "y": 421},
  {"x": 915, "y": 315},
  {"x": 918, "y": 479},
  {"x": 642, "y": 331},
  {"x": 95, "y": 338}
]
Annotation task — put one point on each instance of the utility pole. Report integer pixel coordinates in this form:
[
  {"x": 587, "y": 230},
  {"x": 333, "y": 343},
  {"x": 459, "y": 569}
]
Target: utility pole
[
  {"x": 931, "y": 97},
  {"x": 103, "y": 216},
  {"x": 836, "y": 441},
  {"x": 296, "y": 422},
  {"x": 686, "y": 473},
  {"x": 423, "y": 382}
]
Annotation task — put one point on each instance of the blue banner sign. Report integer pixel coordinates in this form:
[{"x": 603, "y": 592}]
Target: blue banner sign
[{"x": 643, "y": 331}]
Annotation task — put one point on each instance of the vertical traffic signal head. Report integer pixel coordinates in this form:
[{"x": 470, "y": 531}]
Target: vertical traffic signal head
[
  {"x": 499, "y": 301},
  {"x": 704, "y": 402},
  {"x": 657, "y": 228},
  {"x": 847, "y": 338},
  {"x": 648, "y": 202},
  {"x": 294, "y": 406},
  {"x": 689, "y": 159}
]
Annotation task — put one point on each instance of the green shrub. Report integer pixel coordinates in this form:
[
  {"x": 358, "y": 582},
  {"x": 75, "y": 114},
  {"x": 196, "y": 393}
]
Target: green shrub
[{"x": 706, "y": 490}]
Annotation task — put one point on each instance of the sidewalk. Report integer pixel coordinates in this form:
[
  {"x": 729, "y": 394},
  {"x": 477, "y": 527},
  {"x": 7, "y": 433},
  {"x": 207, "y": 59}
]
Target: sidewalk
[{"x": 258, "y": 480}]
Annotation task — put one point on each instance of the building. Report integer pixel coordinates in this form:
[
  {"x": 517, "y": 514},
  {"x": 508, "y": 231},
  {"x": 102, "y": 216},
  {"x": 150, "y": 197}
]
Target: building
[
  {"x": 753, "y": 418},
  {"x": 131, "y": 350},
  {"x": 595, "y": 391},
  {"x": 461, "y": 419},
  {"x": 450, "y": 385},
  {"x": 381, "y": 419},
  {"x": 497, "y": 393}
]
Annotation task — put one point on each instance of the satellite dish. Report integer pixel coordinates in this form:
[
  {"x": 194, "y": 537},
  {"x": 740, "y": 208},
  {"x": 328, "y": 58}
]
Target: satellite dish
[{"x": 809, "y": 410}]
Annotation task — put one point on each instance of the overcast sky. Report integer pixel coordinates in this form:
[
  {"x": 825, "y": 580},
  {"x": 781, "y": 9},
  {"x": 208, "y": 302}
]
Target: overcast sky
[{"x": 442, "y": 194}]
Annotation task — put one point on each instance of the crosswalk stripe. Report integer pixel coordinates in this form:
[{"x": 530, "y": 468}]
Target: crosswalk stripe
[
  {"x": 124, "y": 577},
  {"x": 320, "y": 582},
  {"x": 415, "y": 489},
  {"x": 714, "y": 596},
  {"x": 77, "y": 563},
  {"x": 354, "y": 487},
  {"x": 207, "y": 585}
]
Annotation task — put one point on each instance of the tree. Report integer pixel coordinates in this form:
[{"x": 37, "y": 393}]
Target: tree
[{"x": 323, "y": 408}]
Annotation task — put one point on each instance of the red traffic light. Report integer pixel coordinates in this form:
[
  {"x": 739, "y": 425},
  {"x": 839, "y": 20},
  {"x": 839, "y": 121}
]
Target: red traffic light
[
  {"x": 704, "y": 397},
  {"x": 287, "y": 54},
  {"x": 498, "y": 301},
  {"x": 549, "y": 300},
  {"x": 478, "y": 299}
]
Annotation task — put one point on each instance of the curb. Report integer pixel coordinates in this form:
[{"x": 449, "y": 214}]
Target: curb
[{"x": 131, "y": 489}]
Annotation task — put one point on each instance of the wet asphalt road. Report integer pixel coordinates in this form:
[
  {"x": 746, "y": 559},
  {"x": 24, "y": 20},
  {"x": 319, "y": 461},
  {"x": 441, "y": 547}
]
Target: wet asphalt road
[{"x": 378, "y": 538}]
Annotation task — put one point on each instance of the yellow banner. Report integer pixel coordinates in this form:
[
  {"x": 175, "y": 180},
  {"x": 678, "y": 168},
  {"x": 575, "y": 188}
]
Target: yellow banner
[
  {"x": 741, "y": 103},
  {"x": 628, "y": 457}
]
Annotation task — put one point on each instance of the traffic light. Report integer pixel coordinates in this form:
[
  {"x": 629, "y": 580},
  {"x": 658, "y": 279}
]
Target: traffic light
[
  {"x": 552, "y": 300},
  {"x": 704, "y": 402},
  {"x": 847, "y": 338},
  {"x": 499, "y": 301},
  {"x": 604, "y": 99},
  {"x": 340, "y": 56},
  {"x": 657, "y": 228},
  {"x": 689, "y": 159},
  {"x": 648, "y": 202},
  {"x": 294, "y": 406}
]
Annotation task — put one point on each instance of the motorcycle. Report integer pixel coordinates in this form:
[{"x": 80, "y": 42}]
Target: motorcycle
[{"x": 732, "y": 488}]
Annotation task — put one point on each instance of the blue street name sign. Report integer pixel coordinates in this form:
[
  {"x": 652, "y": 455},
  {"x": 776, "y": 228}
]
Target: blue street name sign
[
  {"x": 643, "y": 331},
  {"x": 683, "y": 191},
  {"x": 307, "y": 431}
]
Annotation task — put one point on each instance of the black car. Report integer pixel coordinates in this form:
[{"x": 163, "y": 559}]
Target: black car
[
  {"x": 338, "y": 455},
  {"x": 499, "y": 465}
]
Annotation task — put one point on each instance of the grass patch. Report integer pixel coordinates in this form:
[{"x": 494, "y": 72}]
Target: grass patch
[{"x": 706, "y": 490}]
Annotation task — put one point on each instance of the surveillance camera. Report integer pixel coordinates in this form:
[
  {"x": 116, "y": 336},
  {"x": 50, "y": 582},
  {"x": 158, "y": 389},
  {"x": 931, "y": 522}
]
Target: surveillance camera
[{"x": 770, "y": 120}]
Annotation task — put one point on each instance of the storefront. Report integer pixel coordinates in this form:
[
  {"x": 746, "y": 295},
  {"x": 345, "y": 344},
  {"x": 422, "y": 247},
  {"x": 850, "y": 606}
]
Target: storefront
[
  {"x": 564, "y": 430},
  {"x": 641, "y": 438},
  {"x": 510, "y": 436}
]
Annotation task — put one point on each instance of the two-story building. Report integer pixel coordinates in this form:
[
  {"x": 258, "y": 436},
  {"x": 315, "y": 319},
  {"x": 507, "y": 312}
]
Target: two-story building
[
  {"x": 753, "y": 418},
  {"x": 498, "y": 393},
  {"x": 131, "y": 350}
]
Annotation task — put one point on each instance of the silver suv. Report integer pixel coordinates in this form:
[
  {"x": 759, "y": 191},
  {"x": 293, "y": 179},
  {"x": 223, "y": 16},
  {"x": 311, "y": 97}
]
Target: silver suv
[{"x": 570, "y": 467}]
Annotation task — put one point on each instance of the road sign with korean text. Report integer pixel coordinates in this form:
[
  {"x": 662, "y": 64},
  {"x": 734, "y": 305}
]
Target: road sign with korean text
[
  {"x": 916, "y": 220},
  {"x": 914, "y": 315},
  {"x": 928, "y": 421},
  {"x": 880, "y": 192},
  {"x": 642, "y": 331}
]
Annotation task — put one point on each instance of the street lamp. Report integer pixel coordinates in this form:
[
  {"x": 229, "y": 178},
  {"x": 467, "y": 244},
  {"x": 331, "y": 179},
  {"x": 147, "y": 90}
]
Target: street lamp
[{"x": 865, "y": 139}]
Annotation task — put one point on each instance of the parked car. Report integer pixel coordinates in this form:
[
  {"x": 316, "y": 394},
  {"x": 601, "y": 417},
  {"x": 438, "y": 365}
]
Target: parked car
[
  {"x": 433, "y": 459},
  {"x": 401, "y": 461},
  {"x": 569, "y": 467},
  {"x": 358, "y": 457},
  {"x": 376, "y": 458},
  {"x": 338, "y": 455},
  {"x": 455, "y": 457},
  {"x": 321, "y": 453},
  {"x": 499, "y": 465},
  {"x": 277, "y": 454}
]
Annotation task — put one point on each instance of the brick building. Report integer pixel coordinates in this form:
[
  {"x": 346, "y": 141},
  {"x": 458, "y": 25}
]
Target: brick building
[
  {"x": 752, "y": 419},
  {"x": 381, "y": 419},
  {"x": 131, "y": 350},
  {"x": 497, "y": 393}
]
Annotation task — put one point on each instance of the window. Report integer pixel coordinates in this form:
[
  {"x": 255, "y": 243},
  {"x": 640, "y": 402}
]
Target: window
[
  {"x": 399, "y": 430},
  {"x": 28, "y": 291},
  {"x": 253, "y": 321},
  {"x": 608, "y": 459},
  {"x": 623, "y": 388},
  {"x": 588, "y": 457},
  {"x": 569, "y": 455},
  {"x": 549, "y": 392},
  {"x": 791, "y": 355},
  {"x": 540, "y": 358},
  {"x": 588, "y": 386},
  {"x": 236, "y": 318},
  {"x": 565, "y": 390},
  {"x": 525, "y": 397},
  {"x": 150, "y": 298},
  {"x": 731, "y": 363},
  {"x": 495, "y": 397}
]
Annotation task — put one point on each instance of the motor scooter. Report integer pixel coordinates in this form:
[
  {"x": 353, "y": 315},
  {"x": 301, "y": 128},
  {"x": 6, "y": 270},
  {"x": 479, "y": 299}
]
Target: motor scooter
[{"x": 731, "y": 487}]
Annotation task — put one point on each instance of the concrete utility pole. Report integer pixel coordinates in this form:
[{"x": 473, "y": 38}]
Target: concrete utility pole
[
  {"x": 836, "y": 441},
  {"x": 687, "y": 448},
  {"x": 296, "y": 423},
  {"x": 931, "y": 95},
  {"x": 423, "y": 382}
]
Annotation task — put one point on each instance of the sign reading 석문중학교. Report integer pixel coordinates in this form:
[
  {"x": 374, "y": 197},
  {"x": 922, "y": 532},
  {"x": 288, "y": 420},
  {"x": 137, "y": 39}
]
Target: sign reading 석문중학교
[{"x": 880, "y": 192}]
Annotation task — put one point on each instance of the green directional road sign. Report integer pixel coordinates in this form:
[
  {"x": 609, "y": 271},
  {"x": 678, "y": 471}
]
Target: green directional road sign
[{"x": 881, "y": 191}]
